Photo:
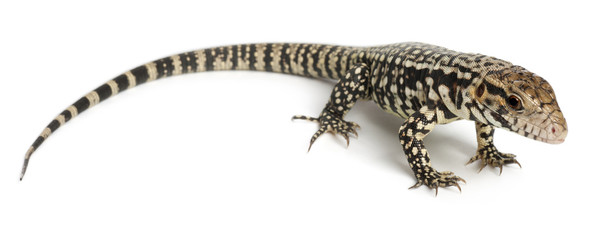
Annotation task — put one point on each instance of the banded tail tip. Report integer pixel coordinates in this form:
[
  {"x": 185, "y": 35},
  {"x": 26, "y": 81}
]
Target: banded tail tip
[
  {"x": 26, "y": 161},
  {"x": 24, "y": 168}
]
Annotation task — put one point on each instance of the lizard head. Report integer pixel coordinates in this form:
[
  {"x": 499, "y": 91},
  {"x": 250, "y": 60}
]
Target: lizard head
[{"x": 522, "y": 102}]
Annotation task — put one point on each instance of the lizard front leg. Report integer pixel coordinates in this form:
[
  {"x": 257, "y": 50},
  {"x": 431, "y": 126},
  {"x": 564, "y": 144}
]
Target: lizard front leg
[
  {"x": 411, "y": 134},
  {"x": 487, "y": 152},
  {"x": 349, "y": 89}
]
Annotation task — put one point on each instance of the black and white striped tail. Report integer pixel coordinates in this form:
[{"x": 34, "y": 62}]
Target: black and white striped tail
[{"x": 311, "y": 60}]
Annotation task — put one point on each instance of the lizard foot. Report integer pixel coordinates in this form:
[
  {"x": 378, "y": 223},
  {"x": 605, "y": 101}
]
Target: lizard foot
[
  {"x": 332, "y": 124},
  {"x": 437, "y": 179},
  {"x": 489, "y": 155}
]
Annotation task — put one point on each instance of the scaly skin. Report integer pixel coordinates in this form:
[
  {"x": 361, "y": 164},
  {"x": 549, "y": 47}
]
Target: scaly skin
[{"x": 424, "y": 84}]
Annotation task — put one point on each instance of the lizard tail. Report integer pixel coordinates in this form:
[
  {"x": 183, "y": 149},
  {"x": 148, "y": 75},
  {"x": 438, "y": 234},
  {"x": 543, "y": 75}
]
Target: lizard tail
[{"x": 310, "y": 60}]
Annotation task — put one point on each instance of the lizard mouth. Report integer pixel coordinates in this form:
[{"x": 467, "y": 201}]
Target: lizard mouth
[
  {"x": 546, "y": 129},
  {"x": 553, "y": 132}
]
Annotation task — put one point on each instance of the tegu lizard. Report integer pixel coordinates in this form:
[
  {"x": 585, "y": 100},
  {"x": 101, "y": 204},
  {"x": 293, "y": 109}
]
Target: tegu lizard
[{"x": 424, "y": 84}]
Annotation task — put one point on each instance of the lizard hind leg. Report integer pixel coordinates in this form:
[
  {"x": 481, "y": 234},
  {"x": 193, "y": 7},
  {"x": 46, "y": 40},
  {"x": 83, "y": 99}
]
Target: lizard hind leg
[
  {"x": 352, "y": 87},
  {"x": 487, "y": 152}
]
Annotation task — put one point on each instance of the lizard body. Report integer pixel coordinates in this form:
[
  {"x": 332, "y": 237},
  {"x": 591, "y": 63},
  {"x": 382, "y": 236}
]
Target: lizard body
[{"x": 424, "y": 84}]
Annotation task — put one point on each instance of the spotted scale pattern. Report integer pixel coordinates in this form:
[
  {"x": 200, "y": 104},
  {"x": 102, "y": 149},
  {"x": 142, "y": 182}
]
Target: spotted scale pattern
[{"x": 421, "y": 83}]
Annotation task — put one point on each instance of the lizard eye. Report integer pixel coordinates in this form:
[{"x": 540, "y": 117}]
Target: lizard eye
[
  {"x": 514, "y": 102},
  {"x": 480, "y": 90}
]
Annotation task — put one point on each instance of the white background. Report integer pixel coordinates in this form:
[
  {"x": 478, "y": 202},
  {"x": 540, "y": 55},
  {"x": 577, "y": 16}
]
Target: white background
[{"x": 216, "y": 156}]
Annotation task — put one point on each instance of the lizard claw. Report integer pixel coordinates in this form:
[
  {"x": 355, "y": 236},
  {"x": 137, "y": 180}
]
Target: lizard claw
[
  {"x": 491, "y": 156},
  {"x": 440, "y": 179},
  {"x": 332, "y": 124}
]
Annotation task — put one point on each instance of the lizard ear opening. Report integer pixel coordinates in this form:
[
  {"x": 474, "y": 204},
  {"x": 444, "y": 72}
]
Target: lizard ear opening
[{"x": 480, "y": 90}]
